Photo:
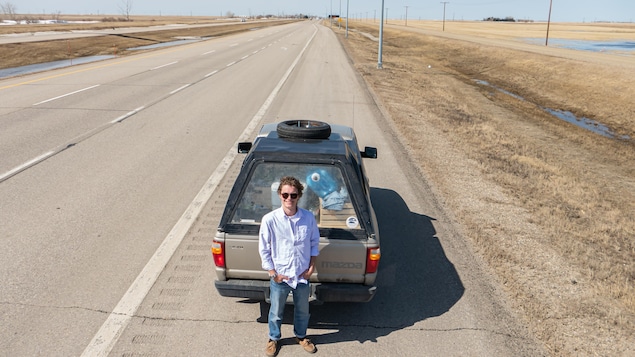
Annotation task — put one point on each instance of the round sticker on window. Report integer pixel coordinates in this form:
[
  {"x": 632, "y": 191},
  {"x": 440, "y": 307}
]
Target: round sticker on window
[{"x": 351, "y": 222}]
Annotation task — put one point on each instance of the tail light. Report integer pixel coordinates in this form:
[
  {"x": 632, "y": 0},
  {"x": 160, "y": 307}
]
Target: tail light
[
  {"x": 372, "y": 260},
  {"x": 218, "y": 252}
]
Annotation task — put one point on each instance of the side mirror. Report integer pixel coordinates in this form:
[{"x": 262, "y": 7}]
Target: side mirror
[
  {"x": 244, "y": 147},
  {"x": 369, "y": 152}
]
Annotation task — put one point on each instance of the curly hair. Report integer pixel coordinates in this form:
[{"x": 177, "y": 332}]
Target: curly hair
[{"x": 291, "y": 181}]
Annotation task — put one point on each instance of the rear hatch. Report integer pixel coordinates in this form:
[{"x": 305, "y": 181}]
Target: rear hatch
[{"x": 340, "y": 260}]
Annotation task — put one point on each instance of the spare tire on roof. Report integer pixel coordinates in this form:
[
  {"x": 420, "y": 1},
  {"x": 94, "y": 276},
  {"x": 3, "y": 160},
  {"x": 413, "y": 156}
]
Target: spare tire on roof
[{"x": 303, "y": 129}]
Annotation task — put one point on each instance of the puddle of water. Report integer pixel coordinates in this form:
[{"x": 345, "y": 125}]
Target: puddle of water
[
  {"x": 585, "y": 123},
  {"x": 32, "y": 68},
  {"x": 486, "y": 83},
  {"x": 624, "y": 46}
]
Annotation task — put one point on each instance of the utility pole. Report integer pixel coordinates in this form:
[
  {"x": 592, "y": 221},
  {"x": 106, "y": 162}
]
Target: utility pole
[
  {"x": 548, "y": 23},
  {"x": 347, "y": 7},
  {"x": 381, "y": 35},
  {"x": 444, "y": 3},
  {"x": 406, "y": 14}
]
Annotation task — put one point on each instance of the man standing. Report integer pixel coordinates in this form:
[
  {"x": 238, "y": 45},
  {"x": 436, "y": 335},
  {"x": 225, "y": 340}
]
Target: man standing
[{"x": 288, "y": 246}]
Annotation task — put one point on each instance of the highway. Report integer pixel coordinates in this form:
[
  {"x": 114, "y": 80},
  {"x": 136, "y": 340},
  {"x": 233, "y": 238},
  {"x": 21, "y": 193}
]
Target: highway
[{"x": 114, "y": 174}]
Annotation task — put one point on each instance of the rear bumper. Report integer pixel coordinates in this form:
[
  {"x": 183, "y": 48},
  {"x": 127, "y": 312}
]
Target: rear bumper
[{"x": 322, "y": 292}]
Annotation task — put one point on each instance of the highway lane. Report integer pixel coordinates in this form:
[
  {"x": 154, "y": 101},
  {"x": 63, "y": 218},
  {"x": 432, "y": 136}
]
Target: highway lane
[
  {"x": 80, "y": 227},
  {"x": 81, "y": 104},
  {"x": 433, "y": 297}
]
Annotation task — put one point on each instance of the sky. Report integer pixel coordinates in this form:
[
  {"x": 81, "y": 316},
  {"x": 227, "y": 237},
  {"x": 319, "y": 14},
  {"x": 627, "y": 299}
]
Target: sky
[{"x": 537, "y": 10}]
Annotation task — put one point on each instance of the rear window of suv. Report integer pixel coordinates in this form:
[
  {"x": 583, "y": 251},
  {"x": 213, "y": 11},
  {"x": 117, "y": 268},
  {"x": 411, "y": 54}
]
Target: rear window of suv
[{"x": 325, "y": 194}]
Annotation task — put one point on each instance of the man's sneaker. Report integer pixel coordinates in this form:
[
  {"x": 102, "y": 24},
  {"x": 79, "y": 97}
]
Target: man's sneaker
[
  {"x": 272, "y": 348},
  {"x": 307, "y": 345}
]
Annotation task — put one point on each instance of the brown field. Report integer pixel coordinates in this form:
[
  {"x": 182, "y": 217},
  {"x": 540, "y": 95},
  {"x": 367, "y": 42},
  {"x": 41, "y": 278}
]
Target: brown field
[
  {"x": 520, "y": 30},
  {"x": 550, "y": 206}
]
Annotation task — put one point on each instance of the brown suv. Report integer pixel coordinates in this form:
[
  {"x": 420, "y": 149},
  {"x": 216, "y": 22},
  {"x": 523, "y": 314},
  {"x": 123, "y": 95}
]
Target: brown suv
[{"x": 328, "y": 162}]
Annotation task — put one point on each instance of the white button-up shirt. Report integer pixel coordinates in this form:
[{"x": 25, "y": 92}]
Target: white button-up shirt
[{"x": 287, "y": 243}]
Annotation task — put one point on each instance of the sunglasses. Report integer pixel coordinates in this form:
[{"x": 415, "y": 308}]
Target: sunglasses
[{"x": 286, "y": 195}]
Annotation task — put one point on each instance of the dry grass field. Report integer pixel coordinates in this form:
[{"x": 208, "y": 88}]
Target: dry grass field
[
  {"x": 548, "y": 205},
  {"x": 521, "y": 30}
]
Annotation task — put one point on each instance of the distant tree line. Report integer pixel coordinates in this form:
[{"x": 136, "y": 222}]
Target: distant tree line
[
  {"x": 507, "y": 19},
  {"x": 231, "y": 14}
]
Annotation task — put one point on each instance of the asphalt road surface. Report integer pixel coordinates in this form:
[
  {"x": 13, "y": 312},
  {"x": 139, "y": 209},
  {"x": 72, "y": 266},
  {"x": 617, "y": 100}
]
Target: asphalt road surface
[{"x": 113, "y": 176}]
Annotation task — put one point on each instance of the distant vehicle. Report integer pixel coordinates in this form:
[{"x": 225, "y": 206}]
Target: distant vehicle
[{"x": 328, "y": 162}]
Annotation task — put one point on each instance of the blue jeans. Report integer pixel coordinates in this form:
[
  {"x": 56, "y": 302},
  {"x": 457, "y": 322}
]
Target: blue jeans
[{"x": 278, "y": 294}]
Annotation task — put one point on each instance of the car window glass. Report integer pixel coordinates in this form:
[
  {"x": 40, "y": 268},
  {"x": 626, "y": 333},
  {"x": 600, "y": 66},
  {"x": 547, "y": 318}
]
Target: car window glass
[{"x": 325, "y": 194}]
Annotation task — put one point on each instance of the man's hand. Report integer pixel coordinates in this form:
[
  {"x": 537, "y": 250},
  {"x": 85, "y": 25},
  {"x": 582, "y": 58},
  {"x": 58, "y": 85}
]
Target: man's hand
[{"x": 307, "y": 273}]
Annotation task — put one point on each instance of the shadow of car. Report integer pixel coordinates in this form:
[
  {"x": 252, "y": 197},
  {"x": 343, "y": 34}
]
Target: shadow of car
[{"x": 416, "y": 282}]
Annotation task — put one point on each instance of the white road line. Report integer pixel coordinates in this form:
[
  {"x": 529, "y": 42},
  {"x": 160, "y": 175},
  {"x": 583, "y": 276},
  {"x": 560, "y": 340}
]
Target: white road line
[
  {"x": 164, "y": 65},
  {"x": 105, "y": 339},
  {"x": 244, "y": 57},
  {"x": 66, "y": 95},
  {"x": 211, "y": 73},
  {"x": 180, "y": 88},
  {"x": 26, "y": 165},
  {"x": 231, "y": 64},
  {"x": 208, "y": 52}
]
